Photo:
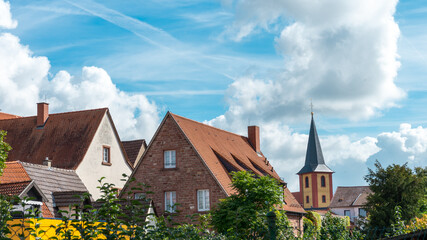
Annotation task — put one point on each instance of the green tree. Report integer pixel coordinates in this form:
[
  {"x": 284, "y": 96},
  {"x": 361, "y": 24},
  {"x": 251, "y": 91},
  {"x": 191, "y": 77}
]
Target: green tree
[
  {"x": 243, "y": 214},
  {"x": 5, "y": 205},
  {"x": 4, "y": 150},
  {"x": 395, "y": 186},
  {"x": 334, "y": 228}
]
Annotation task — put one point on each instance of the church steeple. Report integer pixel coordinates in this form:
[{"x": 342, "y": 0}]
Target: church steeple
[
  {"x": 314, "y": 161},
  {"x": 315, "y": 177}
]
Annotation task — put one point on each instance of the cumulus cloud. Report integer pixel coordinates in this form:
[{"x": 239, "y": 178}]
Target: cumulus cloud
[
  {"x": 134, "y": 115},
  {"x": 408, "y": 145},
  {"x": 342, "y": 54},
  {"x": 25, "y": 81},
  {"x": 285, "y": 149},
  {"x": 6, "y": 20}
]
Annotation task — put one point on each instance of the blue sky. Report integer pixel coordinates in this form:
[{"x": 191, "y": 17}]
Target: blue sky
[{"x": 233, "y": 63}]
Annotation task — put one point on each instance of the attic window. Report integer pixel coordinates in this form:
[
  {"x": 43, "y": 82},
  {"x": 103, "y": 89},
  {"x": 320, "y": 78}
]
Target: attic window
[
  {"x": 230, "y": 168},
  {"x": 259, "y": 169},
  {"x": 241, "y": 164},
  {"x": 340, "y": 200},
  {"x": 106, "y": 160},
  {"x": 170, "y": 159}
]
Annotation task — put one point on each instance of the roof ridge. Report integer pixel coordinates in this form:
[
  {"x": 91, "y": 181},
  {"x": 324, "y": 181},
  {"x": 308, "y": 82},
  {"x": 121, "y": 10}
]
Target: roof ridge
[
  {"x": 60, "y": 113},
  {"x": 79, "y": 111},
  {"x": 47, "y": 167},
  {"x": 207, "y": 125}
]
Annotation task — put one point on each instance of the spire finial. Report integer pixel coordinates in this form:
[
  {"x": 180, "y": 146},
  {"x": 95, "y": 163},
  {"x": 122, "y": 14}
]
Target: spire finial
[{"x": 311, "y": 106}]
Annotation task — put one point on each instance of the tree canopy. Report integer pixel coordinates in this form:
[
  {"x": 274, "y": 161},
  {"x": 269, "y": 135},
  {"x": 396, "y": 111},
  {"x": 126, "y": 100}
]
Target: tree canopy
[
  {"x": 395, "y": 186},
  {"x": 244, "y": 213},
  {"x": 4, "y": 150}
]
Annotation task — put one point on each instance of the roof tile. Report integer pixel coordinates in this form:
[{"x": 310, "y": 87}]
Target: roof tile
[
  {"x": 350, "y": 196},
  {"x": 64, "y": 138},
  {"x": 220, "y": 150}
]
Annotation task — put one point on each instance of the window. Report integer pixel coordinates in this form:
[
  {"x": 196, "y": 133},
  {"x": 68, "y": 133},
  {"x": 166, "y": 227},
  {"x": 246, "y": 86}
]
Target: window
[
  {"x": 306, "y": 182},
  {"x": 323, "y": 181},
  {"x": 362, "y": 212},
  {"x": 139, "y": 195},
  {"x": 347, "y": 213},
  {"x": 170, "y": 201},
  {"x": 106, "y": 155},
  {"x": 203, "y": 200},
  {"x": 170, "y": 159},
  {"x": 307, "y": 199},
  {"x": 323, "y": 198}
]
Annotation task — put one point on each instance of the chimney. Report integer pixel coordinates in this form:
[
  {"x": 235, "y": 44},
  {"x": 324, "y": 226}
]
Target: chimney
[
  {"x": 42, "y": 113},
  {"x": 47, "y": 162},
  {"x": 253, "y": 135}
]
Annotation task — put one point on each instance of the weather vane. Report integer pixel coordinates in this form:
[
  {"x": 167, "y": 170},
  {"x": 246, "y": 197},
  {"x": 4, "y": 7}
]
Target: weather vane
[{"x": 311, "y": 106}]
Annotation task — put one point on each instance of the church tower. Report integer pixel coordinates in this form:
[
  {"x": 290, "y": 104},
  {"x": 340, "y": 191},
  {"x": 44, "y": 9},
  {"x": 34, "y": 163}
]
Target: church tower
[{"x": 315, "y": 177}]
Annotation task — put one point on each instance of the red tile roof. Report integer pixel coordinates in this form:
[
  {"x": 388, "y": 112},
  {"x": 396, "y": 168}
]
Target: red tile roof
[
  {"x": 45, "y": 211},
  {"x": 220, "y": 149},
  {"x": 13, "y": 188},
  {"x": 14, "y": 172},
  {"x": 298, "y": 197},
  {"x": 64, "y": 138},
  {"x": 133, "y": 149},
  {"x": 7, "y": 116}
]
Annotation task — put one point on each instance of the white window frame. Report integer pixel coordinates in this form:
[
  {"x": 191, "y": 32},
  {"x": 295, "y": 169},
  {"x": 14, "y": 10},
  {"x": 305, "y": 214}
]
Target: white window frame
[
  {"x": 139, "y": 195},
  {"x": 349, "y": 213},
  {"x": 203, "y": 200},
  {"x": 170, "y": 201},
  {"x": 169, "y": 159},
  {"x": 106, "y": 154},
  {"x": 364, "y": 210}
]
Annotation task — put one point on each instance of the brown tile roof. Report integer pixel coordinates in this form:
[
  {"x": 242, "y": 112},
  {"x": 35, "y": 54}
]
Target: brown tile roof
[
  {"x": 67, "y": 198},
  {"x": 51, "y": 180},
  {"x": 292, "y": 205},
  {"x": 64, "y": 138},
  {"x": 223, "y": 151},
  {"x": 298, "y": 197},
  {"x": 14, "y": 172},
  {"x": 13, "y": 188},
  {"x": 7, "y": 116},
  {"x": 134, "y": 149},
  {"x": 350, "y": 196}
]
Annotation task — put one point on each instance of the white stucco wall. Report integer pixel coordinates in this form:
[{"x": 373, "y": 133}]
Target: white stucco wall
[
  {"x": 354, "y": 211},
  {"x": 91, "y": 168}
]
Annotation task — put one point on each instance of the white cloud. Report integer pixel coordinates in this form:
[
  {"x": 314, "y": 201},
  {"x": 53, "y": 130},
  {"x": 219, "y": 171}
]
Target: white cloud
[
  {"x": 25, "y": 81},
  {"x": 6, "y": 20},
  {"x": 286, "y": 150},
  {"x": 342, "y": 54},
  {"x": 134, "y": 115},
  {"x": 406, "y": 145}
]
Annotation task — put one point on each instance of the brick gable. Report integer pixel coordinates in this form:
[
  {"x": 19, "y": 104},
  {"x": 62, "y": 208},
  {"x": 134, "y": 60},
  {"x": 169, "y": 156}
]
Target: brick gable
[{"x": 190, "y": 173}]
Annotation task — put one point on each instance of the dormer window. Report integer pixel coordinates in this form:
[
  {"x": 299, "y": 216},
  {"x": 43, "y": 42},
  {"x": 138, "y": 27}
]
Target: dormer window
[
  {"x": 170, "y": 159},
  {"x": 106, "y": 160}
]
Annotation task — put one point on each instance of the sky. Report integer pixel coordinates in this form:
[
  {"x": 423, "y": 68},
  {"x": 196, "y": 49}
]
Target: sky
[{"x": 230, "y": 64}]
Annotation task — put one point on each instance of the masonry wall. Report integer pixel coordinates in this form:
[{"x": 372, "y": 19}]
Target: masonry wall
[
  {"x": 296, "y": 223},
  {"x": 189, "y": 175}
]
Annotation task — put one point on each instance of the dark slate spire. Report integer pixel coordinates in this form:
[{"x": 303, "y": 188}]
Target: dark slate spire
[{"x": 314, "y": 161}]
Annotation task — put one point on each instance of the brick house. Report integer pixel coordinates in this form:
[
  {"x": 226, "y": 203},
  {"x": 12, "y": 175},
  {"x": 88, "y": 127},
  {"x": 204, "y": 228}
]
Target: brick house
[
  {"x": 189, "y": 163},
  {"x": 83, "y": 141}
]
